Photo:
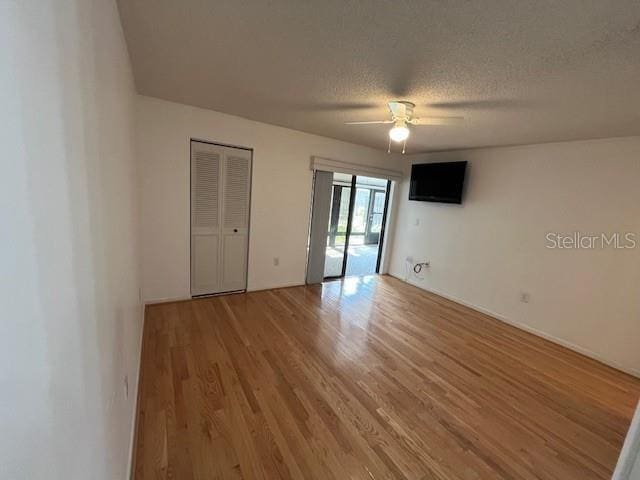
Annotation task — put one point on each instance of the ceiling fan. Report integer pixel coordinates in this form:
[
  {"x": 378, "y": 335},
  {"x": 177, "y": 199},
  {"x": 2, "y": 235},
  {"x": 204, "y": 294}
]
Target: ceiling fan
[{"x": 402, "y": 117}]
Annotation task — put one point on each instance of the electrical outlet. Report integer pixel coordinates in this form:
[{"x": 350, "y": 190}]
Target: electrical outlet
[
  {"x": 525, "y": 297},
  {"x": 409, "y": 259},
  {"x": 276, "y": 261},
  {"x": 126, "y": 387}
]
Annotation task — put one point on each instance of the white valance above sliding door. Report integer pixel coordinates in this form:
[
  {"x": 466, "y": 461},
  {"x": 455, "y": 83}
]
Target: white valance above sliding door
[{"x": 329, "y": 165}]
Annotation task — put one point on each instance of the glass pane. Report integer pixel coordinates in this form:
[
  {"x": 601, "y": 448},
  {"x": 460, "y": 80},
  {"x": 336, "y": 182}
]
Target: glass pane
[
  {"x": 366, "y": 226},
  {"x": 360, "y": 211},
  {"x": 343, "y": 217},
  {"x": 376, "y": 223},
  {"x": 337, "y": 228},
  {"x": 378, "y": 202},
  {"x": 362, "y": 259},
  {"x": 377, "y": 212}
]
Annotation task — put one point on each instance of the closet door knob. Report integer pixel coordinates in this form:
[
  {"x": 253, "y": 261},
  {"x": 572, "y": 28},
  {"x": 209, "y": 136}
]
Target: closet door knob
[{"x": 235, "y": 230}]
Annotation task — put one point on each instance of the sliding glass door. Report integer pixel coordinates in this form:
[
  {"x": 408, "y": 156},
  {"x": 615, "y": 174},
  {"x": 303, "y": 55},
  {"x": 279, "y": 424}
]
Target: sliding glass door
[
  {"x": 356, "y": 221},
  {"x": 338, "y": 223}
]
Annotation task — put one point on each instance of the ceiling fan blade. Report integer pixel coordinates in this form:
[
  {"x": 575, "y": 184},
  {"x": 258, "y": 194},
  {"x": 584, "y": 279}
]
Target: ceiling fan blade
[
  {"x": 368, "y": 123},
  {"x": 436, "y": 121}
]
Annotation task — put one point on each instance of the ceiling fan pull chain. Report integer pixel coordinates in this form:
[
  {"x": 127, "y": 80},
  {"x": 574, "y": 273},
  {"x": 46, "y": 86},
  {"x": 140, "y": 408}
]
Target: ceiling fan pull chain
[
  {"x": 389, "y": 149},
  {"x": 404, "y": 144}
]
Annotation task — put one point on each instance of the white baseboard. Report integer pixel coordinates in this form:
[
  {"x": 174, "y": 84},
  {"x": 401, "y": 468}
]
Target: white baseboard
[
  {"x": 136, "y": 392},
  {"x": 539, "y": 333},
  {"x": 152, "y": 301},
  {"x": 180, "y": 298},
  {"x": 274, "y": 287}
]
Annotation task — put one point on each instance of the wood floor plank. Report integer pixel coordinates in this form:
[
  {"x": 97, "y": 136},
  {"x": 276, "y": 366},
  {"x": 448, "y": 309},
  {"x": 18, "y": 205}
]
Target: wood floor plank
[{"x": 367, "y": 378}]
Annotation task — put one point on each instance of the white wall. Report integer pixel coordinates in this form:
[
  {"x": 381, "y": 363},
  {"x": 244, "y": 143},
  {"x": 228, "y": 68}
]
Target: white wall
[
  {"x": 280, "y": 196},
  {"x": 71, "y": 319},
  {"x": 490, "y": 249}
]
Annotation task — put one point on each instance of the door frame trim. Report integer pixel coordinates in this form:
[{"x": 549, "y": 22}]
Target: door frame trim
[
  {"x": 352, "y": 201},
  {"x": 219, "y": 144},
  {"x": 383, "y": 227},
  {"x": 246, "y": 278}
]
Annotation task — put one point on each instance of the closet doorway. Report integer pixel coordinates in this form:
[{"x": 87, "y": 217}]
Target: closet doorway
[{"x": 220, "y": 200}]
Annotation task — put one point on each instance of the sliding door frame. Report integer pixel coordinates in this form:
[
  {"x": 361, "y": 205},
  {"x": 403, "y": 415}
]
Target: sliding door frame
[
  {"x": 352, "y": 201},
  {"x": 352, "y": 196},
  {"x": 383, "y": 227}
]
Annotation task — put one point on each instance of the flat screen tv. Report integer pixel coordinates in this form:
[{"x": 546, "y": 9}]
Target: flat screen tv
[{"x": 437, "y": 182}]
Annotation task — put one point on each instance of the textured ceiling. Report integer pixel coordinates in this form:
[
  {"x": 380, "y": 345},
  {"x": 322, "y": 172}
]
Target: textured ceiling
[{"x": 519, "y": 71}]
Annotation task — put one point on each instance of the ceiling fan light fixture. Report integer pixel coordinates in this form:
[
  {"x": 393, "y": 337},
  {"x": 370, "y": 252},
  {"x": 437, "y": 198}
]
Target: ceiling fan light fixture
[{"x": 399, "y": 133}]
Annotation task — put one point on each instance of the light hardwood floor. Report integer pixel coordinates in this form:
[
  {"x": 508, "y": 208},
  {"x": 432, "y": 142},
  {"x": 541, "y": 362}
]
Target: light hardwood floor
[{"x": 367, "y": 378}]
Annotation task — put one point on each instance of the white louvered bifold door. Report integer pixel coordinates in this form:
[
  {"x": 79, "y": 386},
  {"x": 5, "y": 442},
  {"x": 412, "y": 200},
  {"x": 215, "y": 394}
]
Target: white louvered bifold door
[
  {"x": 220, "y": 183},
  {"x": 235, "y": 218}
]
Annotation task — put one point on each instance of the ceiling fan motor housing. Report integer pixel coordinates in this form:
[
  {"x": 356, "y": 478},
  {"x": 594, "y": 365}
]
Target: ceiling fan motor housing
[{"x": 401, "y": 110}]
